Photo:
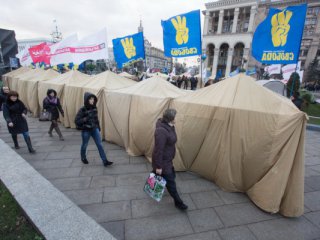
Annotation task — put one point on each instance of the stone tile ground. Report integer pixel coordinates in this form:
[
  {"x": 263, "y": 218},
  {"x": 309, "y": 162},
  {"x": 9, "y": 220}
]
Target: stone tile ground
[{"x": 114, "y": 197}]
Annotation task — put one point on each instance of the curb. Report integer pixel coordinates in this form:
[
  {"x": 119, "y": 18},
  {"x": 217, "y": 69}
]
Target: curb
[{"x": 313, "y": 127}]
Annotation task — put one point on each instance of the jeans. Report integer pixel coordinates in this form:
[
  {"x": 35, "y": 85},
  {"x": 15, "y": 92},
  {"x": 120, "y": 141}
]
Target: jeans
[
  {"x": 95, "y": 134},
  {"x": 25, "y": 135},
  {"x": 171, "y": 186}
]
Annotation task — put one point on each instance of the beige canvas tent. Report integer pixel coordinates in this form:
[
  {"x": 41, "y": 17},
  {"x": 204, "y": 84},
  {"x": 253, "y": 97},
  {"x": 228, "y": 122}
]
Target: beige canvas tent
[
  {"x": 73, "y": 97},
  {"x": 15, "y": 80},
  {"x": 127, "y": 75},
  {"x": 58, "y": 84},
  {"x": 245, "y": 138},
  {"x": 7, "y": 78},
  {"x": 28, "y": 89},
  {"x": 131, "y": 113}
]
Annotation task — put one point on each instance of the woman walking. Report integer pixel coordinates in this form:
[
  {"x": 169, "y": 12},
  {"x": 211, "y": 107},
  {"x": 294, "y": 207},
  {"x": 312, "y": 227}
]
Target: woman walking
[
  {"x": 163, "y": 153},
  {"x": 87, "y": 121},
  {"x": 51, "y": 103},
  {"x": 14, "y": 112}
]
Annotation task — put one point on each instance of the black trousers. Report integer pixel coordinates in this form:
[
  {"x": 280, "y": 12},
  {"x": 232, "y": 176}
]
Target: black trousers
[{"x": 171, "y": 186}]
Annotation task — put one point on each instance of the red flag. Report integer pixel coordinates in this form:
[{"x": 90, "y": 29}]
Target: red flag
[{"x": 40, "y": 53}]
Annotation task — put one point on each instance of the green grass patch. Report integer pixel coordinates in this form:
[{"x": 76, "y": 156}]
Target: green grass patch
[
  {"x": 13, "y": 224},
  {"x": 313, "y": 110}
]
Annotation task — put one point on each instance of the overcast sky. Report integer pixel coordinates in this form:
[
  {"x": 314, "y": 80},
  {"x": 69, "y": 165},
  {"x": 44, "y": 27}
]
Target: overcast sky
[{"x": 34, "y": 18}]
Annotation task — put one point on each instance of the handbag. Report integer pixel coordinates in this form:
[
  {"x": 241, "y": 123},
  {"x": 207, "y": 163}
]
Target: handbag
[
  {"x": 45, "y": 116},
  {"x": 154, "y": 186}
]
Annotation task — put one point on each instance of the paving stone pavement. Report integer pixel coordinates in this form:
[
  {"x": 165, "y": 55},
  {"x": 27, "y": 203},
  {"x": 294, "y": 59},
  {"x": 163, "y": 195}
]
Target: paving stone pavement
[{"x": 114, "y": 197}]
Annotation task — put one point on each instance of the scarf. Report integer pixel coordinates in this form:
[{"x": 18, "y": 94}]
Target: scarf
[{"x": 52, "y": 100}]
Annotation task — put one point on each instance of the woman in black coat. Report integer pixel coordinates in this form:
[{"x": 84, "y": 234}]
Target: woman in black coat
[
  {"x": 163, "y": 154},
  {"x": 87, "y": 121},
  {"x": 14, "y": 112},
  {"x": 51, "y": 103}
]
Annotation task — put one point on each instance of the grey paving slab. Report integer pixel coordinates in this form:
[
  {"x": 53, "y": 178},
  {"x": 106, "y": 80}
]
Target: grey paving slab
[
  {"x": 195, "y": 185},
  {"x": 64, "y": 184},
  {"x": 131, "y": 179},
  {"x": 206, "y": 199},
  {"x": 62, "y": 155},
  {"x": 120, "y": 193},
  {"x": 310, "y": 172},
  {"x": 45, "y": 164},
  {"x": 187, "y": 176},
  {"x": 88, "y": 170},
  {"x": 241, "y": 213},
  {"x": 103, "y": 181},
  {"x": 125, "y": 169},
  {"x": 140, "y": 160},
  {"x": 313, "y": 217},
  {"x": 37, "y": 156},
  {"x": 157, "y": 227},
  {"x": 54, "y": 173},
  {"x": 312, "y": 200},
  {"x": 106, "y": 212},
  {"x": 237, "y": 233},
  {"x": 204, "y": 220},
  {"x": 230, "y": 197},
  {"x": 149, "y": 207},
  {"x": 285, "y": 228},
  {"x": 115, "y": 228},
  {"x": 87, "y": 196},
  {"x": 211, "y": 235}
]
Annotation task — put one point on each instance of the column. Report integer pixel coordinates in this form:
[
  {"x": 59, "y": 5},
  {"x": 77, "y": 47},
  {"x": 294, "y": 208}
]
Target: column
[
  {"x": 220, "y": 21},
  {"x": 235, "y": 20},
  {"x": 246, "y": 56},
  {"x": 206, "y": 23},
  {"x": 251, "y": 20},
  {"x": 215, "y": 62},
  {"x": 229, "y": 61}
]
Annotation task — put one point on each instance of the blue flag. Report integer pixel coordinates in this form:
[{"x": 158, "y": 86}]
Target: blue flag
[
  {"x": 128, "y": 49},
  {"x": 182, "y": 35},
  {"x": 277, "y": 39}
]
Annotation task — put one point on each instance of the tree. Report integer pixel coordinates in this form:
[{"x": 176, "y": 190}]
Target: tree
[
  {"x": 313, "y": 73},
  {"x": 293, "y": 84}
]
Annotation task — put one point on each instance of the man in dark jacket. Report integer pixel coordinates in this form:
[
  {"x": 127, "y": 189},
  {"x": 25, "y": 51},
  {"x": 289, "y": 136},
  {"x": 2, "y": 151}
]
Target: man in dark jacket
[
  {"x": 163, "y": 154},
  {"x": 15, "y": 114},
  {"x": 87, "y": 121},
  {"x": 295, "y": 98},
  {"x": 51, "y": 103},
  {"x": 3, "y": 96}
]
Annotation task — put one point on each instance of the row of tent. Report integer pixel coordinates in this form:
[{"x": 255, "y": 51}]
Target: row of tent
[{"x": 236, "y": 133}]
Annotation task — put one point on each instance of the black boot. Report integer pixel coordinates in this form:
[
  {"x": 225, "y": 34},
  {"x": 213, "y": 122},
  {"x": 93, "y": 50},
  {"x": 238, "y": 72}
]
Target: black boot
[
  {"x": 50, "y": 130},
  {"x": 181, "y": 206},
  {"x": 84, "y": 160},
  {"x": 15, "y": 141},
  {"x": 59, "y": 133},
  {"x": 107, "y": 163},
  {"x": 28, "y": 141}
]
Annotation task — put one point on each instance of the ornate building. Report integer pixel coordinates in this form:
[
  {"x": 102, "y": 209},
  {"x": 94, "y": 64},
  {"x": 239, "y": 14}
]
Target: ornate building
[
  {"x": 229, "y": 26},
  {"x": 227, "y": 34}
]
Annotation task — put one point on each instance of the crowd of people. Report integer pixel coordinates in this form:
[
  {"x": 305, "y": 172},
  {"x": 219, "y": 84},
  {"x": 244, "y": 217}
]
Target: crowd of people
[
  {"x": 86, "y": 120},
  {"x": 184, "y": 82}
]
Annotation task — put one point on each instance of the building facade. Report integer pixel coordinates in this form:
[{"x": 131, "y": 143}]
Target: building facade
[
  {"x": 227, "y": 34},
  {"x": 310, "y": 45},
  {"x": 229, "y": 26}
]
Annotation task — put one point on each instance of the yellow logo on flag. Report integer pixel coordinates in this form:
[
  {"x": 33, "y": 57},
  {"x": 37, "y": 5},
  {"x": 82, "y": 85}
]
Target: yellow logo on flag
[
  {"x": 280, "y": 28},
  {"x": 128, "y": 47},
  {"x": 182, "y": 34}
]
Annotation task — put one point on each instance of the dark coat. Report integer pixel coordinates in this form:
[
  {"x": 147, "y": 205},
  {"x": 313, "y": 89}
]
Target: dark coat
[
  {"x": 53, "y": 108},
  {"x": 164, "y": 147},
  {"x": 3, "y": 98},
  {"x": 87, "y": 116},
  {"x": 12, "y": 112}
]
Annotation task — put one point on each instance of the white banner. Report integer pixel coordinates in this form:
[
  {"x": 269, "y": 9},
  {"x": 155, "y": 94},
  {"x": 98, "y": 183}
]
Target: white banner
[
  {"x": 289, "y": 69},
  {"x": 92, "y": 47},
  {"x": 273, "y": 69},
  {"x": 24, "y": 57},
  {"x": 61, "y": 52}
]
